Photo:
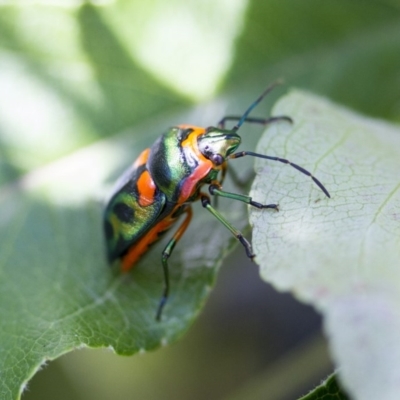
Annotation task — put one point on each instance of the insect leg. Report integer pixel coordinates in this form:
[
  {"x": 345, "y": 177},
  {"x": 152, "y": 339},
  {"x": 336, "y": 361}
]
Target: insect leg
[
  {"x": 254, "y": 104},
  {"x": 224, "y": 170},
  {"x": 165, "y": 256},
  {"x": 215, "y": 190},
  {"x": 205, "y": 201},
  {"x": 260, "y": 121},
  {"x": 283, "y": 160}
]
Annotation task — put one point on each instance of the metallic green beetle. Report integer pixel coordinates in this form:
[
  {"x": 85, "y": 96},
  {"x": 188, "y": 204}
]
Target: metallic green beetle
[{"x": 166, "y": 178}]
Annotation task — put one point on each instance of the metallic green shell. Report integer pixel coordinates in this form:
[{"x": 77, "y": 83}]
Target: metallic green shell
[
  {"x": 125, "y": 220},
  {"x": 169, "y": 165}
]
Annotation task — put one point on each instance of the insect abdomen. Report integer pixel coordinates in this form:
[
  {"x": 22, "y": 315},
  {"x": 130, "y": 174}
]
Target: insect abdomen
[{"x": 131, "y": 212}]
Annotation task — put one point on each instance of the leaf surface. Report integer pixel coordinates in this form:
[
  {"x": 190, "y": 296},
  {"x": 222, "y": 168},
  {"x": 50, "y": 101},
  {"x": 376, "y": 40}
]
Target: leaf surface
[{"x": 340, "y": 254}]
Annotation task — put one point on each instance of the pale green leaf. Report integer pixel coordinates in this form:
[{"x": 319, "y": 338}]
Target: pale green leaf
[{"x": 339, "y": 254}]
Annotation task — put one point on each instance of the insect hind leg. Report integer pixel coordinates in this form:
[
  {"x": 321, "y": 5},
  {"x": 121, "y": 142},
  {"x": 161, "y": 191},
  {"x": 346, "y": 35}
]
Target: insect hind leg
[{"x": 165, "y": 256}]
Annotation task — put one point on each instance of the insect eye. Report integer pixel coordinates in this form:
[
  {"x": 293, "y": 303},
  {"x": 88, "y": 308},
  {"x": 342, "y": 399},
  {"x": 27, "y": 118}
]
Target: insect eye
[{"x": 217, "y": 159}]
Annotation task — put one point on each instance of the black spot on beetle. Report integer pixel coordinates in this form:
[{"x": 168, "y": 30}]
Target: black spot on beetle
[{"x": 124, "y": 212}]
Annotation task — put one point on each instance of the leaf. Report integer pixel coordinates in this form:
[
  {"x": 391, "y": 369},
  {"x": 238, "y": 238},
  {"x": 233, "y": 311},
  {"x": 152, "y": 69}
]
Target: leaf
[
  {"x": 340, "y": 254},
  {"x": 347, "y": 51},
  {"x": 59, "y": 293},
  {"x": 200, "y": 37},
  {"x": 60, "y": 95},
  {"x": 75, "y": 73},
  {"x": 327, "y": 390}
]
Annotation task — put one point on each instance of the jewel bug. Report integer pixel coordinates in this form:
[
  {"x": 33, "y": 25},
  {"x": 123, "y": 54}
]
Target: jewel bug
[{"x": 166, "y": 178}]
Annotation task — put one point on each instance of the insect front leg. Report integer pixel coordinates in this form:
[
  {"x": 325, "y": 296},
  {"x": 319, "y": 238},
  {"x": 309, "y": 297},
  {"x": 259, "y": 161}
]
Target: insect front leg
[
  {"x": 206, "y": 203},
  {"x": 224, "y": 169},
  {"x": 165, "y": 256},
  {"x": 245, "y": 117},
  {"x": 216, "y": 190},
  {"x": 260, "y": 121}
]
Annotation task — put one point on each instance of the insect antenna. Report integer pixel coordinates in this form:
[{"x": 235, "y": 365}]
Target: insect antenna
[{"x": 254, "y": 104}]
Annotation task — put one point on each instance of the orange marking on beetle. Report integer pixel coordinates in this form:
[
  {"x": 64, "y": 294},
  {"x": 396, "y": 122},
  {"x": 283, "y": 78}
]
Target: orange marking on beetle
[
  {"x": 203, "y": 168},
  {"x": 146, "y": 188},
  {"x": 142, "y": 159},
  {"x": 192, "y": 181},
  {"x": 140, "y": 247},
  {"x": 181, "y": 230}
]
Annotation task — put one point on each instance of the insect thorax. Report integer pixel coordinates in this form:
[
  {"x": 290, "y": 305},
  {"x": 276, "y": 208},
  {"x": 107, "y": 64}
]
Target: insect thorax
[{"x": 170, "y": 164}]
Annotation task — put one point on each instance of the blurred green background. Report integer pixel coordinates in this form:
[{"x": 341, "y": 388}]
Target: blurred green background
[
  {"x": 74, "y": 73},
  {"x": 249, "y": 343}
]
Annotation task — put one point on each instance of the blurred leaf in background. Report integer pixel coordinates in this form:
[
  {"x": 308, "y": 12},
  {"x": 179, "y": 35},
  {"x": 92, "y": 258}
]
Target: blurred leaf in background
[{"x": 84, "y": 87}]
